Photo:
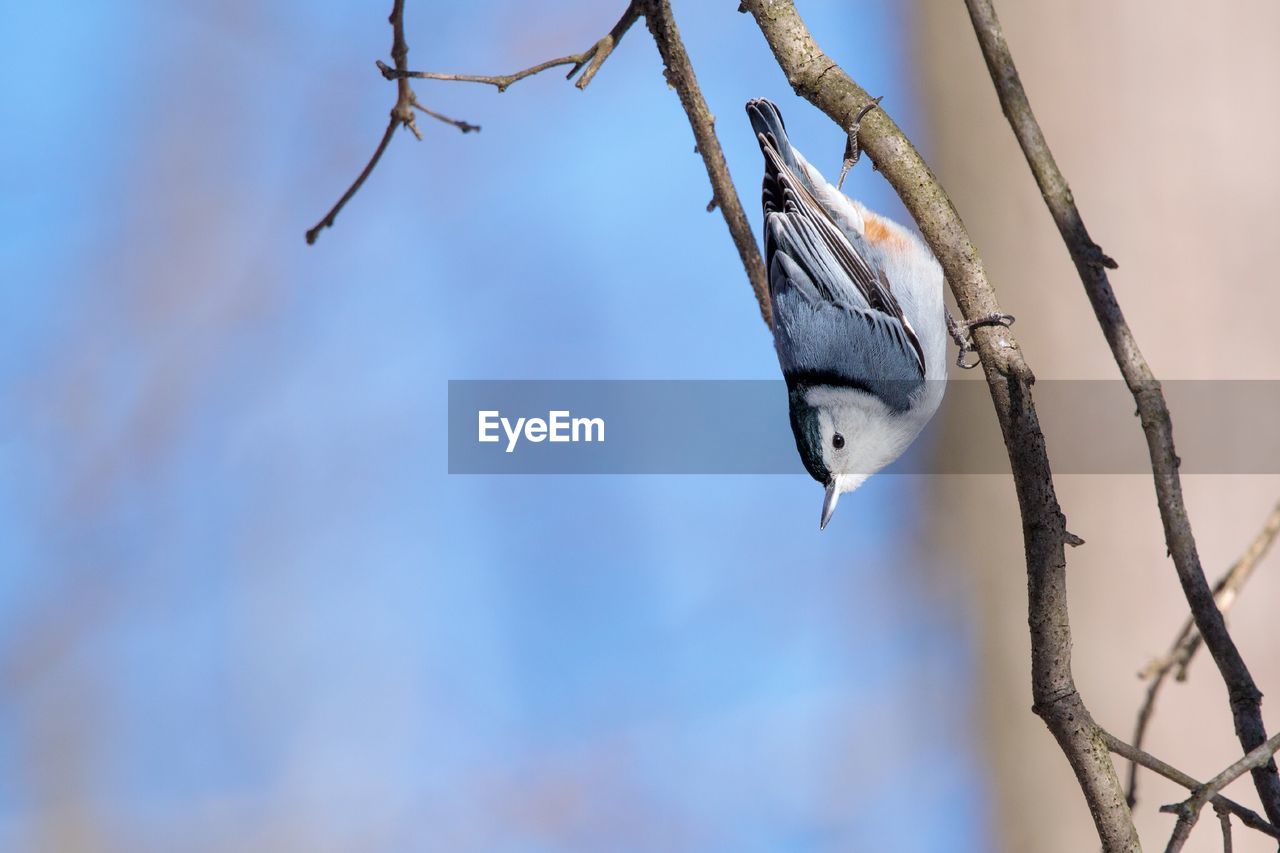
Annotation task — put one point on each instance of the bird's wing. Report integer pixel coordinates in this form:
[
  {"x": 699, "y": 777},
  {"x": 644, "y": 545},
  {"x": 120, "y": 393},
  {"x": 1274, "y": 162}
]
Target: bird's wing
[
  {"x": 835, "y": 270},
  {"x": 821, "y": 342},
  {"x": 833, "y": 258}
]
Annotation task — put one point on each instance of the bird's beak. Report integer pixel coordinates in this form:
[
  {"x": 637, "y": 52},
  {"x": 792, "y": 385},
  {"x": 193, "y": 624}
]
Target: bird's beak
[{"x": 829, "y": 502}]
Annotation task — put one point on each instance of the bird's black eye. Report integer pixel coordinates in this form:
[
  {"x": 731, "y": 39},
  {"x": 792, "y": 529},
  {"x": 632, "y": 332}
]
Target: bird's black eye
[{"x": 837, "y": 441}]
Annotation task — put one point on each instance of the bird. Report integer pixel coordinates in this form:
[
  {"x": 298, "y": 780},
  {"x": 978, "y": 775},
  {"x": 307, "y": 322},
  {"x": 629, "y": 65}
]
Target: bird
[{"x": 859, "y": 323}]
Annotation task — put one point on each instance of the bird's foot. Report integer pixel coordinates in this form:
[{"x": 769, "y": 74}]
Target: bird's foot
[
  {"x": 852, "y": 150},
  {"x": 961, "y": 332}
]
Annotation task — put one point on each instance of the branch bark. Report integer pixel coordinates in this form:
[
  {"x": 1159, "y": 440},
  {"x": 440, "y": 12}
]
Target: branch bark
[
  {"x": 818, "y": 79},
  {"x": 1091, "y": 264}
]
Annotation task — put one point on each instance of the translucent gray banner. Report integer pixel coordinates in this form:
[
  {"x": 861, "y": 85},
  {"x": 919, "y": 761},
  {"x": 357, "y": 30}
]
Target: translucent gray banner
[{"x": 742, "y": 427}]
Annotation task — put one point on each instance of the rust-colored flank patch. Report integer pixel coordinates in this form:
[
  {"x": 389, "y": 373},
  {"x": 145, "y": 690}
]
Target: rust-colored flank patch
[{"x": 875, "y": 229}]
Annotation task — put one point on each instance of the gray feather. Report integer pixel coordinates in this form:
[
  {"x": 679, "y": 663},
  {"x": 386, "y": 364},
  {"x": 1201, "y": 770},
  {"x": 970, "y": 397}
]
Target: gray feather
[
  {"x": 836, "y": 318},
  {"x": 820, "y": 342}
]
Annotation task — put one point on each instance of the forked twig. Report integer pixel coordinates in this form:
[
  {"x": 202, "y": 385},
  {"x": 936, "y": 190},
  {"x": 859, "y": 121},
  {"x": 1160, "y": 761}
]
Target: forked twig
[
  {"x": 1247, "y": 816},
  {"x": 1188, "y": 641},
  {"x": 588, "y": 62},
  {"x": 1188, "y": 811},
  {"x": 401, "y": 115}
]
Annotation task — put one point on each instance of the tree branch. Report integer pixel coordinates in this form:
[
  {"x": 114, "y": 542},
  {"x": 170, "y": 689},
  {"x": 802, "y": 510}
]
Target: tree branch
[
  {"x": 1188, "y": 641},
  {"x": 1247, "y": 816},
  {"x": 1091, "y": 264},
  {"x": 680, "y": 76},
  {"x": 818, "y": 79}
]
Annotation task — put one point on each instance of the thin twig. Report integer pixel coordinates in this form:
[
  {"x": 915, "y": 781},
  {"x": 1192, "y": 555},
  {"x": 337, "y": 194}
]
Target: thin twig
[
  {"x": 588, "y": 62},
  {"x": 680, "y": 76},
  {"x": 1091, "y": 264},
  {"x": 502, "y": 81},
  {"x": 816, "y": 77},
  {"x": 465, "y": 127},
  {"x": 1188, "y": 642},
  {"x": 1247, "y": 816},
  {"x": 1224, "y": 818},
  {"x": 359, "y": 182},
  {"x": 1188, "y": 811},
  {"x": 1227, "y": 589}
]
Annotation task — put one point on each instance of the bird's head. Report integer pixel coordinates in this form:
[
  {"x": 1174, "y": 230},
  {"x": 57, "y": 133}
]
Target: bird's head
[{"x": 844, "y": 435}]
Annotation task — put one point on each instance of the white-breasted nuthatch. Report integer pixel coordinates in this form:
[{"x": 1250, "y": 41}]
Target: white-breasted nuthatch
[{"x": 858, "y": 319}]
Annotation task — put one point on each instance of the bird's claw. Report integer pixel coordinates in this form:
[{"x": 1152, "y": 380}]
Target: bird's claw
[
  {"x": 852, "y": 150},
  {"x": 961, "y": 332},
  {"x": 966, "y": 365}
]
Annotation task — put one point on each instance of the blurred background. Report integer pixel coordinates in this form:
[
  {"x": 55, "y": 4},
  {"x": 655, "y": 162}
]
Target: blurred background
[{"x": 243, "y": 606}]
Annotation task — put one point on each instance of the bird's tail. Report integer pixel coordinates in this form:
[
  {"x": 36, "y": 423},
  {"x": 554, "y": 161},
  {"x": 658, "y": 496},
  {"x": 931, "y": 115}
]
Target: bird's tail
[
  {"x": 766, "y": 121},
  {"x": 771, "y": 133}
]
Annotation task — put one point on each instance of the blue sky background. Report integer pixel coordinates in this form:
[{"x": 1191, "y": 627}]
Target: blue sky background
[{"x": 243, "y": 606}]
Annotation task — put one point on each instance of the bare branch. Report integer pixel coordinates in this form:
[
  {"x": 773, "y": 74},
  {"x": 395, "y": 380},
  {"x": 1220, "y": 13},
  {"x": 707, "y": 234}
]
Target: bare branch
[
  {"x": 1188, "y": 641},
  {"x": 401, "y": 115},
  {"x": 589, "y": 61},
  {"x": 680, "y": 76},
  {"x": 1188, "y": 811},
  {"x": 816, "y": 77},
  {"x": 1091, "y": 264},
  {"x": 1247, "y": 816}
]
